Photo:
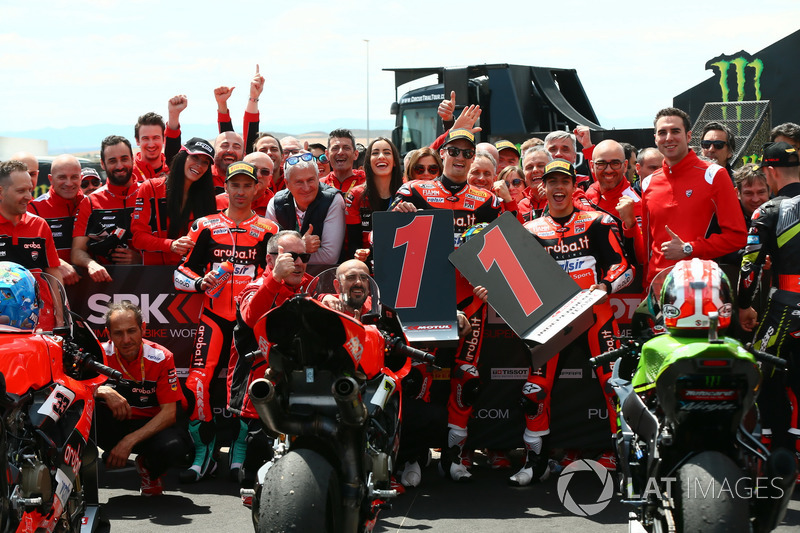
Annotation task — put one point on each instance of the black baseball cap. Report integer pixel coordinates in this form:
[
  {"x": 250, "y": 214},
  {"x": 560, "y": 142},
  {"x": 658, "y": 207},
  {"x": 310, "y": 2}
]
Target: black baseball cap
[
  {"x": 243, "y": 168},
  {"x": 198, "y": 146},
  {"x": 559, "y": 166},
  {"x": 779, "y": 154}
]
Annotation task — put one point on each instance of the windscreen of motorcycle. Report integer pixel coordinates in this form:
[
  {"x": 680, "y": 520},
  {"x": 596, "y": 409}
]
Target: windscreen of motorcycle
[
  {"x": 30, "y": 302},
  {"x": 351, "y": 291}
]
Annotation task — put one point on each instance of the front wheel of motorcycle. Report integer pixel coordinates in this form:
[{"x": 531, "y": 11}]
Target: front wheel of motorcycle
[
  {"x": 300, "y": 493},
  {"x": 709, "y": 499}
]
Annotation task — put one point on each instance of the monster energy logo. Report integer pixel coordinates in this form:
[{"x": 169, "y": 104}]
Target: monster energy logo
[
  {"x": 742, "y": 64},
  {"x": 713, "y": 381}
]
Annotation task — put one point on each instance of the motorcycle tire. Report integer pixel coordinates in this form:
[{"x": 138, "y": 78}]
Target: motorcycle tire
[
  {"x": 300, "y": 493},
  {"x": 707, "y": 499}
]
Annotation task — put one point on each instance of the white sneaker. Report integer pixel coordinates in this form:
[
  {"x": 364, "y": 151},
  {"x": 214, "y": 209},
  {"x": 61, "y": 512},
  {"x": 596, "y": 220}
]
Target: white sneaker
[
  {"x": 522, "y": 478},
  {"x": 412, "y": 475}
]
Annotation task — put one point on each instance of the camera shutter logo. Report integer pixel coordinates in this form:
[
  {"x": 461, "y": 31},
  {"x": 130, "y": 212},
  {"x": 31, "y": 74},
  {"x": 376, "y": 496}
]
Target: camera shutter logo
[{"x": 585, "y": 509}]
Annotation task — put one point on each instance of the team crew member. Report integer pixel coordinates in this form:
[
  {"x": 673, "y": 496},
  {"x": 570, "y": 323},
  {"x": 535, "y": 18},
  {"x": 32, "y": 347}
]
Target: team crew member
[
  {"x": 90, "y": 180},
  {"x": 534, "y": 161},
  {"x": 139, "y": 417},
  {"x": 166, "y": 206},
  {"x": 682, "y": 198},
  {"x": 101, "y": 233},
  {"x": 25, "y": 238},
  {"x": 773, "y": 233},
  {"x": 352, "y": 284},
  {"x": 470, "y": 206},
  {"x": 251, "y": 114},
  {"x": 58, "y": 207},
  {"x": 240, "y": 236},
  {"x": 342, "y": 155},
  {"x": 150, "y": 162},
  {"x": 384, "y": 176},
  {"x": 284, "y": 277},
  {"x": 312, "y": 208},
  {"x": 586, "y": 244}
]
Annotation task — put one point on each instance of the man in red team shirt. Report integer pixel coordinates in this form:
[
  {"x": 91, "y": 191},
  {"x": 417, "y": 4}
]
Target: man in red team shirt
[
  {"x": 25, "y": 238},
  {"x": 58, "y": 207},
  {"x": 341, "y": 155},
  {"x": 138, "y": 416},
  {"x": 681, "y": 200}
]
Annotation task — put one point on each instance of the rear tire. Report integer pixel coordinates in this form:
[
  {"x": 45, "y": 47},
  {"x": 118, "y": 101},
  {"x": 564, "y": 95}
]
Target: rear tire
[
  {"x": 300, "y": 493},
  {"x": 707, "y": 500}
]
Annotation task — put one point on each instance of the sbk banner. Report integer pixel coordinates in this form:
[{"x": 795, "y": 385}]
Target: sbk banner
[{"x": 170, "y": 316}]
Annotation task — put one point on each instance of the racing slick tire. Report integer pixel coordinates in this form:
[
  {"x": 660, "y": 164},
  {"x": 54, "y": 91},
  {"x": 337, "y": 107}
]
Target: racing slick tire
[{"x": 300, "y": 493}]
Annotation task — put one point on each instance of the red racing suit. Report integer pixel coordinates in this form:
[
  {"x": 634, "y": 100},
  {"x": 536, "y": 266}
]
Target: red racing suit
[
  {"x": 60, "y": 216},
  {"x": 470, "y": 206},
  {"x": 259, "y": 204},
  {"x": 217, "y": 238},
  {"x": 586, "y": 244},
  {"x": 686, "y": 197}
]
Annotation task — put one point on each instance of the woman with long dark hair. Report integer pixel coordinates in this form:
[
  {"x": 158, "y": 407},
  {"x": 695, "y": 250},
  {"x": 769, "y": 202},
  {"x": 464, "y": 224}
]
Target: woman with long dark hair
[
  {"x": 165, "y": 207},
  {"x": 384, "y": 177}
]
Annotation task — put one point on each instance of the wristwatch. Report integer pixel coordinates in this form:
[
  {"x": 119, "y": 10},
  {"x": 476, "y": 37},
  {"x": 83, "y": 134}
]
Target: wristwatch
[{"x": 687, "y": 249}]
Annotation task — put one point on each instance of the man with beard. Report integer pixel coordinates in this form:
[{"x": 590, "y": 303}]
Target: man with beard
[
  {"x": 58, "y": 206},
  {"x": 352, "y": 289},
  {"x": 102, "y": 224},
  {"x": 228, "y": 147},
  {"x": 341, "y": 155}
]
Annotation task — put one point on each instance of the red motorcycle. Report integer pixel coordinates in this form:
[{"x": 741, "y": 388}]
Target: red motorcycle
[
  {"x": 48, "y": 376},
  {"x": 333, "y": 393}
]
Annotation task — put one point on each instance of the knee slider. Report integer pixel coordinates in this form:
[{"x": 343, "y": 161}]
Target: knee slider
[
  {"x": 532, "y": 395},
  {"x": 470, "y": 383}
]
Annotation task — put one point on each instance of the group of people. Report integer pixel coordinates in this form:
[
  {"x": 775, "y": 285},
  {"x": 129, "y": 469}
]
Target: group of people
[{"x": 249, "y": 218}]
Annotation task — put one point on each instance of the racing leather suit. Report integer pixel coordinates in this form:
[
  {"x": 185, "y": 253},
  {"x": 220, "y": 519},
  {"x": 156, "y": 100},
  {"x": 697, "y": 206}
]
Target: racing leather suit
[
  {"x": 774, "y": 233},
  {"x": 470, "y": 206},
  {"x": 218, "y": 238},
  {"x": 586, "y": 244}
]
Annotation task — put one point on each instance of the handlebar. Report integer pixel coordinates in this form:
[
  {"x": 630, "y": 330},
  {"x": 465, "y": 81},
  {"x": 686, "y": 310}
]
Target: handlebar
[
  {"x": 778, "y": 362},
  {"x": 627, "y": 349},
  {"x": 81, "y": 359},
  {"x": 402, "y": 348}
]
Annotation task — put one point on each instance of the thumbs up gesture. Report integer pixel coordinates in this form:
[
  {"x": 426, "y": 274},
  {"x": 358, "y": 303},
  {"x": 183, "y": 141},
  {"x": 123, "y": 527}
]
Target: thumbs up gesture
[
  {"x": 312, "y": 241},
  {"x": 673, "y": 248}
]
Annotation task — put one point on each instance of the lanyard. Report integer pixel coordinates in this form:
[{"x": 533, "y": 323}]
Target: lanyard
[{"x": 125, "y": 370}]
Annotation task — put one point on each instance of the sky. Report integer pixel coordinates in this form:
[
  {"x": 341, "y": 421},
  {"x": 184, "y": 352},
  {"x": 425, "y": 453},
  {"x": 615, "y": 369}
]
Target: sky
[{"x": 108, "y": 61}]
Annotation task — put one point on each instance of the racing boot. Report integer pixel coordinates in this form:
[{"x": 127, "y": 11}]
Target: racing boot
[
  {"x": 536, "y": 468},
  {"x": 451, "y": 464},
  {"x": 238, "y": 451},
  {"x": 412, "y": 474},
  {"x": 536, "y": 465},
  {"x": 204, "y": 438}
]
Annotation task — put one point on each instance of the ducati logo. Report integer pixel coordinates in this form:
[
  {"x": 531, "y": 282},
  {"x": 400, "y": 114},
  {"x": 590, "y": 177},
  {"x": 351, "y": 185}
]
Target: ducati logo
[
  {"x": 34, "y": 255},
  {"x": 689, "y": 193}
]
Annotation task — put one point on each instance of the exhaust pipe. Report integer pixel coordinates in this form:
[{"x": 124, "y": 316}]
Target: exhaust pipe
[
  {"x": 348, "y": 400},
  {"x": 265, "y": 401},
  {"x": 771, "y": 503}
]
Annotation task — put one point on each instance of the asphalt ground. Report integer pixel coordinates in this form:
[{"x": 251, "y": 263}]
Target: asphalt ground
[{"x": 485, "y": 504}]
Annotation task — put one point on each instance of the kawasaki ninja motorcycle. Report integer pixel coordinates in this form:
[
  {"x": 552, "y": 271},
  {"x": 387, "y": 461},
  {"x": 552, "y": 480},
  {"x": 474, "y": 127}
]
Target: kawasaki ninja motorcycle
[{"x": 689, "y": 454}]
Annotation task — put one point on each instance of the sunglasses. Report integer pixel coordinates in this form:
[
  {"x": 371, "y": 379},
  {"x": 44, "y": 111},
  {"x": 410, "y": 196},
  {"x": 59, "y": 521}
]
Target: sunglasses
[
  {"x": 264, "y": 171},
  {"x": 321, "y": 158},
  {"x": 303, "y": 257},
  {"x": 94, "y": 182},
  {"x": 469, "y": 153},
  {"x": 297, "y": 158},
  {"x": 516, "y": 182},
  {"x": 718, "y": 145},
  {"x": 433, "y": 170}
]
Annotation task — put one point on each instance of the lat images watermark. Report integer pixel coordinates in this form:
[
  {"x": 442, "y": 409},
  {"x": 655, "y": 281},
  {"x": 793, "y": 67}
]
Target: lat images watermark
[{"x": 744, "y": 488}]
